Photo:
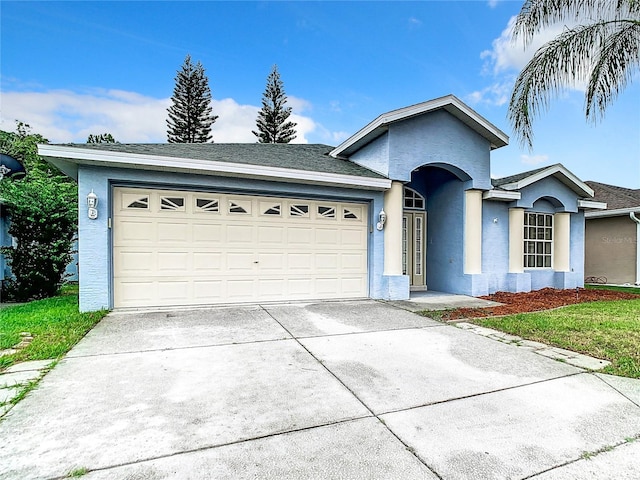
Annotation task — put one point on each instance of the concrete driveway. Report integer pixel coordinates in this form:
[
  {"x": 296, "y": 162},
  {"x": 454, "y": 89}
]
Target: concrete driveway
[{"x": 322, "y": 390}]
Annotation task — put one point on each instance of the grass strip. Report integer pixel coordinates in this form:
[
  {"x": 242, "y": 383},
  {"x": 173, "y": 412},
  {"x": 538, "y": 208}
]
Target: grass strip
[
  {"x": 615, "y": 288},
  {"x": 607, "y": 330},
  {"x": 55, "y": 324}
]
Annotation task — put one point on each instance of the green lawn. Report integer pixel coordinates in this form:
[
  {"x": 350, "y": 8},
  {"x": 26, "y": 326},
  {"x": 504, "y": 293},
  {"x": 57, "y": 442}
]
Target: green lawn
[
  {"x": 634, "y": 290},
  {"x": 55, "y": 324},
  {"x": 607, "y": 330}
]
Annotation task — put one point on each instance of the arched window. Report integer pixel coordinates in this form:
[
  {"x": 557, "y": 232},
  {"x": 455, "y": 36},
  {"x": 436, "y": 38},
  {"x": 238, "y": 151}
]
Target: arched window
[{"x": 413, "y": 199}]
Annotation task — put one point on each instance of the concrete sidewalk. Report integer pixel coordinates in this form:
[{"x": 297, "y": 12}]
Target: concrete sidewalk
[{"x": 338, "y": 390}]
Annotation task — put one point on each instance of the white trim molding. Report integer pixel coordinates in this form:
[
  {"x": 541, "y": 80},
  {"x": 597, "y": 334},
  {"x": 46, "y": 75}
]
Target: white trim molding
[
  {"x": 67, "y": 159},
  {"x": 501, "y": 195},
  {"x": 558, "y": 171},
  {"x": 613, "y": 213},
  {"x": 450, "y": 103},
  {"x": 592, "y": 204}
]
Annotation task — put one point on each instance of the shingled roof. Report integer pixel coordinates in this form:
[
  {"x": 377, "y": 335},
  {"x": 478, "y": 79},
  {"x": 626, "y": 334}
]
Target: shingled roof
[
  {"x": 498, "y": 182},
  {"x": 308, "y": 157},
  {"x": 615, "y": 197}
]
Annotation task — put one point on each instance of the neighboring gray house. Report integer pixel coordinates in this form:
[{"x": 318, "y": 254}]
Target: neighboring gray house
[
  {"x": 612, "y": 247},
  {"x": 406, "y": 203}
]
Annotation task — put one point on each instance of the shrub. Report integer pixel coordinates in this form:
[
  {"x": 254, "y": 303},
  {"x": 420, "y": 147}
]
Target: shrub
[{"x": 43, "y": 210}]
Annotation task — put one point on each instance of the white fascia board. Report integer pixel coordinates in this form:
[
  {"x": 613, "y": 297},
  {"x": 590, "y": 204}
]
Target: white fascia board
[
  {"x": 385, "y": 119},
  {"x": 613, "y": 213},
  {"x": 85, "y": 156},
  {"x": 592, "y": 204},
  {"x": 501, "y": 195},
  {"x": 577, "y": 185}
]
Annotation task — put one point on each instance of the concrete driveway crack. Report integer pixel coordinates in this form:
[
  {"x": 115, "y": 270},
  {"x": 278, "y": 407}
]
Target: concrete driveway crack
[{"x": 338, "y": 379}]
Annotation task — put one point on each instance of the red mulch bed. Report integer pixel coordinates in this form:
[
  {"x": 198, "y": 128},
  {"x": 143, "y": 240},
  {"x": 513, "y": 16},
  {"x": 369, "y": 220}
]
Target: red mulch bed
[{"x": 544, "y": 299}]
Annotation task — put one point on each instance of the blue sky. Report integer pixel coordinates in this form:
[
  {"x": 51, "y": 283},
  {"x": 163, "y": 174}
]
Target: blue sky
[{"x": 74, "y": 68}]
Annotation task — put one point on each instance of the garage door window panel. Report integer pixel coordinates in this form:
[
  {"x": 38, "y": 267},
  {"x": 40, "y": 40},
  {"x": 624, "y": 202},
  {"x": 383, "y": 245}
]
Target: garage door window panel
[
  {"x": 299, "y": 210},
  {"x": 270, "y": 209},
  {"x": 135, "y": 201},
  {"x": 207, "y": 205},
  {"x": 326, "y": 211},
  {"x": 240, "y": 207},
  {"x": 172, "y": 203}
]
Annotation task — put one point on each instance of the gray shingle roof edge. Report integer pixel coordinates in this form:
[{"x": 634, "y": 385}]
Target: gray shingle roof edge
[{"x": 306, "y": 157}]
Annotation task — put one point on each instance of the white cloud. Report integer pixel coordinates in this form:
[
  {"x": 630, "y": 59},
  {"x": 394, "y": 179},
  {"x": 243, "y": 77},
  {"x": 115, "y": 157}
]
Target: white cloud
[
  {"x": 534, "y": 159},
  {"x": 506, "y": 59},
  {"x": 493, "y": 3},
  {"x": 66, "y": 116},
  {"x": 507, "y": 54},
  {"x": 496, "y": 94}
]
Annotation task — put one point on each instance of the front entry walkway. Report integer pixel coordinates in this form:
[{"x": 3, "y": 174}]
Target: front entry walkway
[
  {"x": 335, "y": 390},
  {"x": 430, "y": 300}
]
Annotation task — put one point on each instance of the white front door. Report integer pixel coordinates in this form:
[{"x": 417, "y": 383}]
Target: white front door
[
  {"x": 193, "y": 248},
  {"x": 414, "y": 230}
]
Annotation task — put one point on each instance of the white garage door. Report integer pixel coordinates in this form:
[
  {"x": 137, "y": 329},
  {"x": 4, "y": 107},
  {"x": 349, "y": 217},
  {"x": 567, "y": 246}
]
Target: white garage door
[{"x": 191, "y": 248}]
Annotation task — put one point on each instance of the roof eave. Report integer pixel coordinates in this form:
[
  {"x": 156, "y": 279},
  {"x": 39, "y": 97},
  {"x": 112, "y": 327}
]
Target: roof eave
[
  {"x": 618, "y": 212},
  {"x": 67, "y": 159}
]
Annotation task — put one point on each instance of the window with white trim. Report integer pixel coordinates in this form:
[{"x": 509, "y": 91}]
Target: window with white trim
[
  {"x": 413, "y": 199},
  {"x": 538, "y": 240}
]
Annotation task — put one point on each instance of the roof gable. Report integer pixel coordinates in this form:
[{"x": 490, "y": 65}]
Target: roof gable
[
  {"x": 521, "y": 180},
  {"x": 449, "y": 103}
]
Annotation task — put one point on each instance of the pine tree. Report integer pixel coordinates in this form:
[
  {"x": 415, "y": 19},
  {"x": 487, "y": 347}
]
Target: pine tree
[
  {"x": 102, "y": 138},
  {"x": 272, "y": 123},
  {"x": 190, "y": 116}
]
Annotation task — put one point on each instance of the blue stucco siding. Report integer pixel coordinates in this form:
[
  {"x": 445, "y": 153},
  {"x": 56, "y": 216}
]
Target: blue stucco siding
[
  {"x": 495, "y": 246},
  {"x": 374, "y": 155},
  {"x": 438, "y": 139},
  {"x": 94, "y": 248},
  {"x": 444, "y": 194},
  {"x": 435, "y": 139},
  {"x": 553, "y": 191}
]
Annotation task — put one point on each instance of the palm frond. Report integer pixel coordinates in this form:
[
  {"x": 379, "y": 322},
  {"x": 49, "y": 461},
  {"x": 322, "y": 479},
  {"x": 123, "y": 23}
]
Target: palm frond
[
  {"x": 536, "y": 15},
  {"x": 559, "y": 64},
  {"x": 618, "y": 59}
]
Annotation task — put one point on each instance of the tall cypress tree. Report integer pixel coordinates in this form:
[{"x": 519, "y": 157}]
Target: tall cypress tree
[
  {"x": 272, "y": 123},
  {"x": 190, "y": 116}
]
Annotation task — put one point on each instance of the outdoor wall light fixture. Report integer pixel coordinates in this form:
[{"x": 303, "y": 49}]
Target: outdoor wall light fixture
[
  {"x": 495, "y": 220},
  {"x": 382, "y": 217},
  {"x": 92, "y": 203}
]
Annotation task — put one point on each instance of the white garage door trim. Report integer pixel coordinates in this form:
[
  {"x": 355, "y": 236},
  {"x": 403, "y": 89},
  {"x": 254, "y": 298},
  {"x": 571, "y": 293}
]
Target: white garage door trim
[{"x": 174, "y": 248}]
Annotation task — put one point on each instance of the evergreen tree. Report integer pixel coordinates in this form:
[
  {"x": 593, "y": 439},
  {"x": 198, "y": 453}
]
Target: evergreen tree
[
  {"x": 102, "y": 138},
  {"x": 272, "y": 123},
  {"x": 190, "y": 116}
]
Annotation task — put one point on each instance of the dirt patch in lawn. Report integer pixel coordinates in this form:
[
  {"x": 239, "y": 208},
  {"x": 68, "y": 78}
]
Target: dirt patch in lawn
[{"x": 544, "y": 299}]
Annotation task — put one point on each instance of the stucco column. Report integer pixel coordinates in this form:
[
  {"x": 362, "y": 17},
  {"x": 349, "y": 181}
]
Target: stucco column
[
  {"x": 393, "y": 207},
  {"x": 516, "y": 240},
  {"x": 473, "y": 231},
  {"x": 561, "y": 242}
]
